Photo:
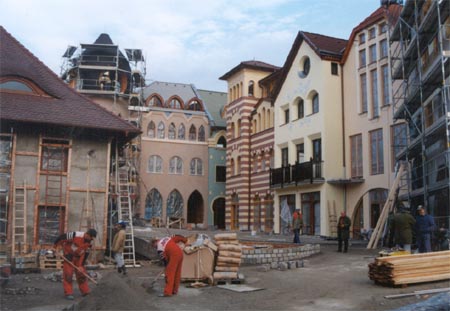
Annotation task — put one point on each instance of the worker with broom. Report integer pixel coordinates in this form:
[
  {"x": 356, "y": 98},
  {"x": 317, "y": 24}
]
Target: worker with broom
[
  {"x": 172, "y": 253},
  {"x": 76, "y": 246}
]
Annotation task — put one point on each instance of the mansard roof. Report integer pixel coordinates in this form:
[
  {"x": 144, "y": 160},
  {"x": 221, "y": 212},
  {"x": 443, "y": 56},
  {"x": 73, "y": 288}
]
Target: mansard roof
[{"x": 57, "y": 104}]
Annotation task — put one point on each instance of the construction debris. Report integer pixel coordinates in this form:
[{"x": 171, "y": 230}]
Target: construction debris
[{"x": 409, "y": 269}]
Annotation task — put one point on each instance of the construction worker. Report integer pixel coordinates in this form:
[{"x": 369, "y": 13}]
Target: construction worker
[
  {"x": 172, "y": 253},
  {"x": 424, "y": 227},
  {"x": 343, "y": 230},
  {"x": 402, "y": 225},
  {"x": 76, "y": 246},
  {"x": 118, "y": 246}
]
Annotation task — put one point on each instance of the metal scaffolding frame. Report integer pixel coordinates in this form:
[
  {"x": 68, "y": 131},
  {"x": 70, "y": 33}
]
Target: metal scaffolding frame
[{"x": 420, "y": 64}]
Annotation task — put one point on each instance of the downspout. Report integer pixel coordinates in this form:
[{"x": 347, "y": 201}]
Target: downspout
[
  {"x": 343, "y": 136},
  {"x": 249, "y": 172}
]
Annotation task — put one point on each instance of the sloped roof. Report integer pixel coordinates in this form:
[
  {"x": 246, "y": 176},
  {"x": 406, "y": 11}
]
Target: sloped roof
[
  {"x": 214, "y": 102},
  {"x": 104, "y": 38},
  {"x": 327, "y": 48},
  {"x": 251, "y": 64},
  {"x": 62, "y": 106},
  {"x": 168, "y": 89},
  {"x": 393, "y": 12}
]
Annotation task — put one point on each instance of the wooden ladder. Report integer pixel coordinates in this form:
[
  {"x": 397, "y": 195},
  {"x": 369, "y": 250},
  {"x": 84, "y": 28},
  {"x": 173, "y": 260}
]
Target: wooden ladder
[
  {"x": 19, "y": 215},
  {"x": 388, "y": 206},
  {"x": 125, "y": 214}
]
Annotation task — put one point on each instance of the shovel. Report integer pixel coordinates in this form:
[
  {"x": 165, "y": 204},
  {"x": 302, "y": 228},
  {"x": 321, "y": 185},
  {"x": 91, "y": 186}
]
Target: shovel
[
  {"x": 78, "y": 269},
  {"x": 156, "y": 278}
]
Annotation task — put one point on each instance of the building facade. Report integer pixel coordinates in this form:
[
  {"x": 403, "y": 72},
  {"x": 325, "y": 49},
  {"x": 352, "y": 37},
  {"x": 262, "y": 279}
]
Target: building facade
[{"x": 249, "y": 143}]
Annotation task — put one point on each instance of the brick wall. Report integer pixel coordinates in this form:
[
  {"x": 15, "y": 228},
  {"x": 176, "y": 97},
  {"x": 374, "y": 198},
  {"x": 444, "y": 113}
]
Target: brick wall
[{"x": 268, "y": 255}]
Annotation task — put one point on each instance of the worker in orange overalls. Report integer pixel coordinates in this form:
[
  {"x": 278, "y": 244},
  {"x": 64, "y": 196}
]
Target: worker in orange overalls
[
  {"x": 76, "y": 246},
  {"x": 172, "y": 253}
]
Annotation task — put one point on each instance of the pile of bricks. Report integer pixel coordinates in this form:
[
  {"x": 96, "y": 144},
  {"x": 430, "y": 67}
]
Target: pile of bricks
[{"x": 269, "y": 254}]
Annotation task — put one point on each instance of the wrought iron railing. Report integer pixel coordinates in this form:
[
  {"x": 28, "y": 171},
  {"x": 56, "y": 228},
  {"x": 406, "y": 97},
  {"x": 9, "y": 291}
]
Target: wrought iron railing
[{"x": 296, "y": 173}]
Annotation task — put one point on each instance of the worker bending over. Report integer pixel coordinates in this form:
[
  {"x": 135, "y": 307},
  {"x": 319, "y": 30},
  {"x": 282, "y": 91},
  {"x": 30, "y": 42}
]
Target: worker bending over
[
  {"x": 76, "y": 246},
  {"x": 172, "y": 254}
]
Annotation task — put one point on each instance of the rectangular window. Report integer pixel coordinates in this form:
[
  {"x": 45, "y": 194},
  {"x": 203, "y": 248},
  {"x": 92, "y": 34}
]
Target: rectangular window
[
  {"x": 362, "y": 38},
  {"x": 317, "y": 150},
  {"x": 50, "y": 223},
  {"x": 363, "y": 93},
  {"x": 372, "y": 33},
  {"x": 334, "y": 69},
  {"x": 373, "y": 53},
  {"x": 286, "y": 116},
  {"x": 382, "y": 28},
  {"x": 376, "y": 152},
  {"x": 221, "y": 173},
  {"x": 362, "y": 58},
  {"x": 399, "y": 140},
  {"x": 300, "y": 153},
  {"x": 356, "y": 156},
  {"x": 54, "y": 155},
  {"x": 385, "y": 82},
  {"x": 284, "y": 157},
  {"x": 374, "y": 94},
  {"x": 383, "y": 48}
]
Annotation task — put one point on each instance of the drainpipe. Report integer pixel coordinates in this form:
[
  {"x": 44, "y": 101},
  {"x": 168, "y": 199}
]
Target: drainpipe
[
  {"x": 343, "y": 136},
  {"x": 249, "y": 172}
]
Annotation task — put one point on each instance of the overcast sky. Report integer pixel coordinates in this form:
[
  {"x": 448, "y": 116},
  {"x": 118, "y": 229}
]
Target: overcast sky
[{"x": 184, "y": 41}]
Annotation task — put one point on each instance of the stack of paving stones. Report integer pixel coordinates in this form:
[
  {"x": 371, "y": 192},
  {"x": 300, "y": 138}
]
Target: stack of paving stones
[{"x": 229, "y": 256}]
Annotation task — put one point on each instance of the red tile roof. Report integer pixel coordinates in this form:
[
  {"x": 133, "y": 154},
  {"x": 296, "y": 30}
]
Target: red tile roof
[
  {"x": 326, "y": 47},
  {"x": 251, "y": 64},
  {"x": 62, "y": 106}
]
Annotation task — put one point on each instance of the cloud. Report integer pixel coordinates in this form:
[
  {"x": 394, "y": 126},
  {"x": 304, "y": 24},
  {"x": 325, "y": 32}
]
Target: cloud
[{"x": 184, "y": 41}]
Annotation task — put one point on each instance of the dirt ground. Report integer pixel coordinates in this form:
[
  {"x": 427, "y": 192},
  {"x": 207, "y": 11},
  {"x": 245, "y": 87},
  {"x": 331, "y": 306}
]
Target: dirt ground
[{"x": 328, "y": 281}]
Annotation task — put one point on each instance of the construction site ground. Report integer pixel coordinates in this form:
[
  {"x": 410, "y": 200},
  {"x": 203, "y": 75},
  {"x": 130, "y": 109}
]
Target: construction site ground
[{"x": 328, "y": 281}]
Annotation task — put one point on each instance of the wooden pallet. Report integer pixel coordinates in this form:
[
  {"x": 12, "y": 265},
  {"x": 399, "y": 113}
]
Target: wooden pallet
[
  {"x": 48, "y": 263},
  {"x": 228, "y": 281}
]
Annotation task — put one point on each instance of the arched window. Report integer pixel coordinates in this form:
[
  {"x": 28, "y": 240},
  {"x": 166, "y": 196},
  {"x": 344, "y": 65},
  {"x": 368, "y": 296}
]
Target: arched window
[
  {"x": 174, "y": 104},
  {"x": 196, "y": 167},
  {"x": 238, "y": 165},
  {"x": 154, "y": 101},
  {"x": 161, "y": 130},
  {"x": 263, "y": 161},
  {"x": 232, "y": 131},
  {"x": 195, "y": 106},
  {"x": 251, "y": 88},
  {"x": 232, "y": 168},
  {"x": 300, "y": 109},
  {"x": 238, "y": 129},
  {"x": 151, "y": 129},
  {"x": 315, "y": 103},
  {"x": 171, "y": 134},
  {"x": 201, "y": 133},
  {"x": 155, "y": 164},
  {"x": 255, "y": 163},
  {"x": 192, "y": 133},
  {"x": 222, "y": 142},
  {"x": 153, "y": 204},
  {"x": 181, "y": 132},
  {"x": 19, "y": 85},
  {"x": 175, "y": 204},
  {"x": 176, "y": 165}
]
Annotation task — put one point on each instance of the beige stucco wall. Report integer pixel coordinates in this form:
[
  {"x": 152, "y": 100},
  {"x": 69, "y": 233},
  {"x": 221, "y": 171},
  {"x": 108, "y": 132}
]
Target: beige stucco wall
[
  {"x": 326, "y": 124},
  {"x": 164, "y": 182},
  {"x": 362, "y": 123}
]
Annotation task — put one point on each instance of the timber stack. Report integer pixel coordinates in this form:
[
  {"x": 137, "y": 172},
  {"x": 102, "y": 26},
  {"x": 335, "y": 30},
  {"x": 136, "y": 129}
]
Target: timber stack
[
  {"x": 229, "y": 256},
  {"x": 409, "y": 269}
]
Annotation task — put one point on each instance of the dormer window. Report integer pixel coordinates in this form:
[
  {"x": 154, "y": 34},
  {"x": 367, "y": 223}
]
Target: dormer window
[
  {"x": 195, "y": 106},
  {"x": 17, "y": 85},
  {"x": 175, "y": 104}
]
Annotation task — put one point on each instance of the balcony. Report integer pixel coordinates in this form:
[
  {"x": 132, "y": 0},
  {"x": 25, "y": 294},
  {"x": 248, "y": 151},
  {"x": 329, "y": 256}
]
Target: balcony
[{"x": 298, "y": 173}]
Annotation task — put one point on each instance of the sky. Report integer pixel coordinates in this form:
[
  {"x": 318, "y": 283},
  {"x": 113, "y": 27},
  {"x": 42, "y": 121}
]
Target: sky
[{"x": 183, "y": 41}]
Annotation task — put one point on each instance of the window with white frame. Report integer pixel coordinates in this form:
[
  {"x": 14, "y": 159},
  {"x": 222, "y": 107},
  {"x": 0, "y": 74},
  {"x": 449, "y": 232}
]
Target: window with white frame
[
  {"x": 376, "y": 152},
  {"x": 196, "y": 167},
  {"x": 356, "y": 156},
  {"x": 154, "y": 164},
  {"x": 171, "y": 133},
  {"x": 176, "y": 165},
  {"x": 161, "y": 130}
]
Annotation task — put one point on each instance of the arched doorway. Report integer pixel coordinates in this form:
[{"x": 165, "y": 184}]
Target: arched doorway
[
  {"x": 195, "y": 208},
  {"x": 219, "y": 213}
]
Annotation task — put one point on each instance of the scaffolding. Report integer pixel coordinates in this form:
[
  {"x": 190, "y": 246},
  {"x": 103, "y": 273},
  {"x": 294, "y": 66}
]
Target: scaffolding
[{"x": 420, "y": 64}]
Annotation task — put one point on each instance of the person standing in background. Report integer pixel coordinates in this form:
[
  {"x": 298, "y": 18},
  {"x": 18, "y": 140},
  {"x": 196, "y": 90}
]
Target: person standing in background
[
  {"x": 297, "y": 224},
  {"x": 118, "y": 246},
  {"x": 343, "y": 229},
  {"x": 402, "y": 225},
  {"x": 424, "y": 227}
]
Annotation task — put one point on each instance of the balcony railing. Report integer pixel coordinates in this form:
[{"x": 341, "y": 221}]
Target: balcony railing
[{"x": 305, "y": 172}]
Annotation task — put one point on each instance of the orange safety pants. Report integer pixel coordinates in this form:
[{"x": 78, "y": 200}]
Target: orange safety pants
[
  {"x": 82, "y": 280},
  {"x": 174, "y": 257}
]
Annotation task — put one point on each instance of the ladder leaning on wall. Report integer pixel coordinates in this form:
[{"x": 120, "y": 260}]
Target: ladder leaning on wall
[
  {"x": 19, "y": 221},
  {"x": 125, "y": 214}
]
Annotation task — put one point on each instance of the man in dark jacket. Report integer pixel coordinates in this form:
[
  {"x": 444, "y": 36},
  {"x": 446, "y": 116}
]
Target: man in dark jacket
[
  {"x": 343, "y": 229},
  {"x": 402, "y": 225},
  {"x": 424, "y": 227}
]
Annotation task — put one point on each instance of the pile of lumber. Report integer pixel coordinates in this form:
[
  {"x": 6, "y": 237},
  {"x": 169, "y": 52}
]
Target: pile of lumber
[
  {"x": 229, "y": 256},
  {"x": 409, "y": 269}
]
